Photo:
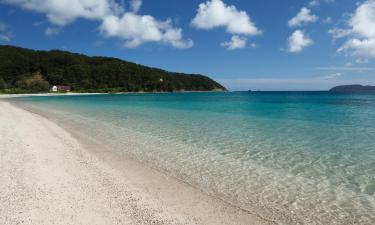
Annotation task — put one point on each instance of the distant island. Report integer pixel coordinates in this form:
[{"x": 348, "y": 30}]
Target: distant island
[
  {"x": 29, "y": 71},
  {"x": 353, "y": 88}
]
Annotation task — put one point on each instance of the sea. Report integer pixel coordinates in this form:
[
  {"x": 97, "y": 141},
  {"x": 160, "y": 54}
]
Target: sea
[{"x": 289, "y": 157}]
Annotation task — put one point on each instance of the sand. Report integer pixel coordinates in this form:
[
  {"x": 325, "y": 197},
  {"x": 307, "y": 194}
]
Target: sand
[
  {"x": 51, "y": 176},
  {"x": 8, "y": 96}
]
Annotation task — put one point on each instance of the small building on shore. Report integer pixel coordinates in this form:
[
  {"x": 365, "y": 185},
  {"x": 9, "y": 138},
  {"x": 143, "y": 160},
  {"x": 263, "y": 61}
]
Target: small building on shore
[{"x": 58, "y": 88}]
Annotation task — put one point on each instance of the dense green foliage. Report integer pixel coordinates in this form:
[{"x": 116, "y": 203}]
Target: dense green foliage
[{"x": 18, "y": 67}]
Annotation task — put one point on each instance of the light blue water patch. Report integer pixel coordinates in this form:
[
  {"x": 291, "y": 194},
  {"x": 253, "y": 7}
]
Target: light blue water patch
[{"x": 291, "y": 157}]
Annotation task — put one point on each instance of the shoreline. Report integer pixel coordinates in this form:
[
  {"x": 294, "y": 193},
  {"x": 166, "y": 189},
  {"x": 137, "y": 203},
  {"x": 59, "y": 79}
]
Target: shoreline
[
  {"x": 5, "y": 96},
  {"x": 176, "y": 199}
]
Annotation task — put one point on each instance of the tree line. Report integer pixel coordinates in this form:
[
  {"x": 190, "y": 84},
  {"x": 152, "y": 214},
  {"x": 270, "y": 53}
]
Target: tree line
[{"x": 28, "y": 71}]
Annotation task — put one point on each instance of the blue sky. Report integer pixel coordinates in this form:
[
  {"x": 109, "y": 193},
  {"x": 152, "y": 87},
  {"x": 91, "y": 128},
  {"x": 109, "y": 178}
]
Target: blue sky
[{"x": 244, "y": 44}]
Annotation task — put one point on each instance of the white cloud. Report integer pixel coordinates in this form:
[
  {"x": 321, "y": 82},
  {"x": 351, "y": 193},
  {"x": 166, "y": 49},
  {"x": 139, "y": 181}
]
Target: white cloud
[
  {"x": 132, "y": 28},
  {"x": 63, "y": 12},
  {"x": 298, "y": 41},
  {"x": 338, "y": 33},
  {"x": 363, "y": 20},
  {"x": 346, "y": 68},
  {"x": 216, "y": 13},
  {"x": 331, "y": 76},
  {"x": 5, "y": 33},
  {"x": 303, "y": 17},
  {"x": 137, "y": 29},
  {"x": 50, "y": 31},
  {"x": 136, "y": 5},
  {"x": 327, "y": 20},
  {"x": 361, "y": 61},
  {"x": 314, "y": 3},
  {"x": 236, "y": 42},
  {"x": 359, "y": 48},
  {"x": 360, "y": 33}
]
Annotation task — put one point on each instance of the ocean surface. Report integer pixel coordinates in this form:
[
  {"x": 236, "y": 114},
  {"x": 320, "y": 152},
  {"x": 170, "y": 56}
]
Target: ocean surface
[{"x": 290, "y": 157}]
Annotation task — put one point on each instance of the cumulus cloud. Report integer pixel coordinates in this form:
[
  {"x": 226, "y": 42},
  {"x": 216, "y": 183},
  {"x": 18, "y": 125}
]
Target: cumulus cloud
[
  {"x": 215, "y": 13},
  {"x": 63, "y": 12},
  {"x": 134, "y": 29},
  {"x": 5, "y": 33},
  {"x": 338, "y": 33},
  {"x": 303, "y": 17},
  {"x": 298, "y": 41},
  {"x": 235, "y": 43},
  {"x": 137, "y": 29},
  {"x": 360, "y": 32},
  {"x": 359, "y": 48}
]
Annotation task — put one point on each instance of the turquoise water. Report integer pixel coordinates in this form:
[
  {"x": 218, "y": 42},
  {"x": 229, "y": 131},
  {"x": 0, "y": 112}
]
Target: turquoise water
[{"x": 290, "y": 157}]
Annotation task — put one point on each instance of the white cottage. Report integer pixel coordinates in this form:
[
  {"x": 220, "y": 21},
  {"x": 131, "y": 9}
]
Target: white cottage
[
  {"x": 54, "y": 88},
  {"x": 57, "y": 88}
]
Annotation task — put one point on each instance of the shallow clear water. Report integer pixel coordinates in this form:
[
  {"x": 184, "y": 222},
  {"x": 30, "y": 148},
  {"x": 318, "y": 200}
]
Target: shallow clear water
[{"x": 290, "y": 157}]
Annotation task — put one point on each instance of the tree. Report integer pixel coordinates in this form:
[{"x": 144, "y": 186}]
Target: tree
[
  {"x": 39, "y": 86},
  {"x": 32, "y": 83},
  {"x": 3, "y": 85}
]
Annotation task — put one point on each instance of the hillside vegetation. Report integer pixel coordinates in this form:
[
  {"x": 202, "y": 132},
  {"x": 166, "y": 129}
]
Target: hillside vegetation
[
  {"x": 27, "y": 71},
  {"x": 353, "y": 88}
]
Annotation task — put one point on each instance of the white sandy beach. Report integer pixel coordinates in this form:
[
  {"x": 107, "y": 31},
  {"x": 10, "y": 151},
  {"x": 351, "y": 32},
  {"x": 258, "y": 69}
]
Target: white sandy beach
[
  {"x": 7, "y": 96},
  {"x": 49, "y": 177}
]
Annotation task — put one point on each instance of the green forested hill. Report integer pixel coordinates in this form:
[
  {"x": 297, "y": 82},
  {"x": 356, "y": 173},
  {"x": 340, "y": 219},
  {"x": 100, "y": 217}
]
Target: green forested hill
[{"x": 25, "y": 70}]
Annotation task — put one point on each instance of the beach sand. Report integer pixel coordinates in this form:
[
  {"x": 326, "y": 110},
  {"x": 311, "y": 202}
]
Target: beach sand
[{"x": 52, "y": 176}]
